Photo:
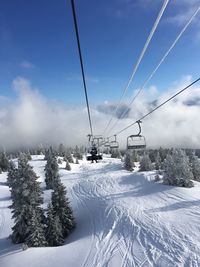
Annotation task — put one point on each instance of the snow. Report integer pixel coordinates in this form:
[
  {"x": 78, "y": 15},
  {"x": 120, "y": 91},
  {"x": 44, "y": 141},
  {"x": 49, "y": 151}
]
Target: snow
[{"x": 123, "y": 219}]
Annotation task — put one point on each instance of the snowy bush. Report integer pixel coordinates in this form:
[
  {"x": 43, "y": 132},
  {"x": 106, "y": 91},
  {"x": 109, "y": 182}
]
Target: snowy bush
[{"x": 177, "y": 169}]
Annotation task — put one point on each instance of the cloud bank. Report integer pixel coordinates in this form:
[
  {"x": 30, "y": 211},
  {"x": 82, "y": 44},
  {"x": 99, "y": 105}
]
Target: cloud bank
[{"x": 32, "y": 119}]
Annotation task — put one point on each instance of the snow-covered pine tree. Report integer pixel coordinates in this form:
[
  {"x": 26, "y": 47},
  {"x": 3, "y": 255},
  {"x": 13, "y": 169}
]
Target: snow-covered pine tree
[
  {"x": 76, "y": 161},
  {"x": 158, "y": 162},
  {"x": 49, "y": 153},
  {"x": 61, "y": 150},
  {"x": 77, "y": 153},
  {"x": 177, "y": 169},
  {"x": 59, "y": 161},
  {"x": 145, "y": 163},
  {"x": 36, "y": 231},
  {"x": 54, "y": 232},
  {"x": 12, "y": 173},
  {"x": 26, "y": 199},
  {"x": 152, "y": 155},
  {"x": 134, "y": 156},
  {"x": 115, "y": 153},
  {"x": 62, "y": 208},
  {"x": 4, "y": 162},
  {"x": 51, "y": 171},
  {"x": 67, "y": 167},
  {"x": 163, "y": 153},
  {"x": 28, "y": 154},
  {"x": 128, "y": 162},
  {"x": 68, "y": 156},
  {"x": 195, "y": 166}
]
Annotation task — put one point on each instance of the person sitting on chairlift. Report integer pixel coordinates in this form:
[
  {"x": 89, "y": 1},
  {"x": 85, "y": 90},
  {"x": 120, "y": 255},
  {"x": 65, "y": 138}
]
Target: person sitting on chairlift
[{"x": 93, "y": 152}]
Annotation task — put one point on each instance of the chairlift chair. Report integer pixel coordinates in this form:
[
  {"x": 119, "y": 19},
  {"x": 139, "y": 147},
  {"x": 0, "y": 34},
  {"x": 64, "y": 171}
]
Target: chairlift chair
[
  {"x": 136, "y": 141},
  {"x": 114, "y": 143}
]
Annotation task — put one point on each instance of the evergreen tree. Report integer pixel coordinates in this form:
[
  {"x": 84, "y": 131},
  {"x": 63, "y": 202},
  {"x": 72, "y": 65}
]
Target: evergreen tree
[
  {"x": 115, "y": 153},
  {"x": 51, "y": 171},
  {"x": 12, "y": 173},
  {"x": 62, "y": 209},
  {"x": 36, "y": 231},
  {"x": 68, "y": 156},
  {"x": 145, "y": 163},
  {"x": 128, "y": 162},
  {"x": 59, "y": 161},
  {"x": 61, "y": 150},
  {"x": 158, "y": 162},
  {"x": 163, "y": 153},
  {"x": 76, "y": 162},
  {"x": 134, "y": 156},
  {"x": 77, "y": 153},
  {"x": 152, "y": 155},
  {"x": 26, "y": 199},
  {"x": 177, "y": 169},
  {"x": 67, "y": 167},
  {"x": 49, "y": 153},
  {"x": 28, "y": 154},
  {"x": 195, "y": 166},
  {"x": 4, "y": 162},
  {"x": 54, "y": 233}
]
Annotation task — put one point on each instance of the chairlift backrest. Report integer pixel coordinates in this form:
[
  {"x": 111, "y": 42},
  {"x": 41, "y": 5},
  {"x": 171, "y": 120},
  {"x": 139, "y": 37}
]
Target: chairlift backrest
[
  {"x": 107, "y": 144},
  {"x": 114, "y": 144},
  {"x": 136, "y": 142}
]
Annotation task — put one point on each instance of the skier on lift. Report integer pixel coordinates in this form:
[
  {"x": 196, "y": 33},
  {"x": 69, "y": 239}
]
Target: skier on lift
[{"x": 93, "y": 153}]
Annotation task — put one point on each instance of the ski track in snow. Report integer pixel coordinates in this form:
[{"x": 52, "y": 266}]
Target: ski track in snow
[
  {"x": 132, "y": 221},
  {"x": 131, "y": 237}
]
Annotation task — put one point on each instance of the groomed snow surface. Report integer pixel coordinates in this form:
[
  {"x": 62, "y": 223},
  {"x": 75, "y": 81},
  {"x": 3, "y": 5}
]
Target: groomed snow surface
[{"x": 123, "y": 219}]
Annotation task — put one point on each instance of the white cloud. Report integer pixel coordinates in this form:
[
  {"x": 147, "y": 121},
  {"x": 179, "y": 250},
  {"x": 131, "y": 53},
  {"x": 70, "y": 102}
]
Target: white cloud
[
  {"x": 182, "y": 11},
  {"x": 26, "y": 64},
  {"x": 175, "y": 124},
  {"x": 33, "y": 119}
]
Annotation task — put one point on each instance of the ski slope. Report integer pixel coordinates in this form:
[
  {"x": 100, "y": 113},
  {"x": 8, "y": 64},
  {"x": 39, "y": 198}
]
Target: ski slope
[{"x": 123, "y": 219}]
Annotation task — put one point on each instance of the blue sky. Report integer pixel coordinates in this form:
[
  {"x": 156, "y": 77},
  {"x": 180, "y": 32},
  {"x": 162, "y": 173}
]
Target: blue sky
[{"x": 37, "y": 42}]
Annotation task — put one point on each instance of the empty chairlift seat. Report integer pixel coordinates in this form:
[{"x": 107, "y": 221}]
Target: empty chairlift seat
[
  {"x": 136, "y": 141},
  {"x": 114, "y": 143}
]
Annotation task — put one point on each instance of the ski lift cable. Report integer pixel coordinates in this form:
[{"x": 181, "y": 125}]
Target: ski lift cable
[
  {"x": 157, "y": 67},
  {"x": 81, "y": 63},
  {"x": 139, "y": 59},
  {"x": 159, "y": 106}
]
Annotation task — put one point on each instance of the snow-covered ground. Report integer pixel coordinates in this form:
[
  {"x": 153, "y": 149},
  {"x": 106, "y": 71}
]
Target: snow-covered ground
[{"x": 123, "y": 219}]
